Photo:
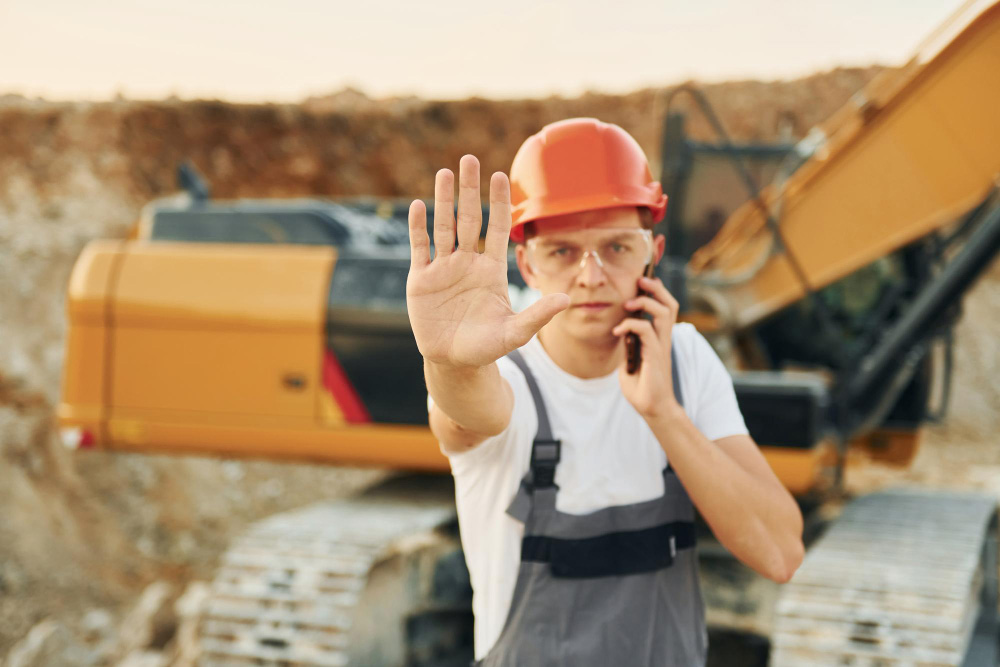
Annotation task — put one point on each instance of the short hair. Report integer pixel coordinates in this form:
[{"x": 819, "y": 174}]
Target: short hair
[{"x": 646, "y": 218}]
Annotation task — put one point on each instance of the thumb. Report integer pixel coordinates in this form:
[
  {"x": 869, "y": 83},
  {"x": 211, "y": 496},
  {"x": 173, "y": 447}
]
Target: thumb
[{"x": 527, "y": 323}]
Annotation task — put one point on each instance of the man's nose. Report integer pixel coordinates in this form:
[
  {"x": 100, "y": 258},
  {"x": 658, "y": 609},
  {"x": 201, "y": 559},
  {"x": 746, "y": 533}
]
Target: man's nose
[{"x": 591, "y": 274}]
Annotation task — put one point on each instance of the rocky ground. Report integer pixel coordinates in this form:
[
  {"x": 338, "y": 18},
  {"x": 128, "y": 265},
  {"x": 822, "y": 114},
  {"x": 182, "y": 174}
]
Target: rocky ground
[{"x": 102, "y": 557}]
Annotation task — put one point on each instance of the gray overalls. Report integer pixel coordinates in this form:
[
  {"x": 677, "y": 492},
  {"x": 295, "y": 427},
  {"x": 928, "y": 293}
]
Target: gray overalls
[{"x": 618, "y": 586}]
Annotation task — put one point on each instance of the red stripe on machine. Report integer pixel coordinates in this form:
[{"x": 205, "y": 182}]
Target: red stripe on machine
[{"x": 336, "y": 382}]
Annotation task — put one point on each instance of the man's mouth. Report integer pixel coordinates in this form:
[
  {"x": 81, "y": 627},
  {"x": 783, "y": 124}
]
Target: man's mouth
[{"x": 592, "y": 305}]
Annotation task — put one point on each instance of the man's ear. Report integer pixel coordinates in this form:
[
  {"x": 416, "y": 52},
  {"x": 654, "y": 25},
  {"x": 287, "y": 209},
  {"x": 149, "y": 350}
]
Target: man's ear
[
  {"x": 659, "y": 246},
  {"x": 524, "y": 266}
]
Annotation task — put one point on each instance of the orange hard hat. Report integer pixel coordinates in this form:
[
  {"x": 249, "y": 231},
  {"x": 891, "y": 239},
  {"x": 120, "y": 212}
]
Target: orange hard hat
[{"x": 579, "y": 164}]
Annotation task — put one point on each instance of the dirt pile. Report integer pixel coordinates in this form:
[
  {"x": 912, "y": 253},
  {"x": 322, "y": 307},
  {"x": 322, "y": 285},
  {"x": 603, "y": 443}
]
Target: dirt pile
[{"x": 82, "y": 535}]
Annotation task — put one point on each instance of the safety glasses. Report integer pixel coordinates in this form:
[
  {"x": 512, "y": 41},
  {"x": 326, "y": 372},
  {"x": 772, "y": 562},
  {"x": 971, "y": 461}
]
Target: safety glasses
[{"x": 615, "y": 249}]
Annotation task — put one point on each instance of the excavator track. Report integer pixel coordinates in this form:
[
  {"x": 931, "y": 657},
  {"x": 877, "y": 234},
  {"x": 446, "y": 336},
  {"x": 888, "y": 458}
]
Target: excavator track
[
  {"x": 376, "y": 579},
  {"x": 902, "y": 577}
]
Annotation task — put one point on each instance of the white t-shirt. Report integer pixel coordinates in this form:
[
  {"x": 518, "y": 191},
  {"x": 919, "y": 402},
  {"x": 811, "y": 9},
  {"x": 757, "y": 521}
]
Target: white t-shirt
[{"x": 609, "y": 457}]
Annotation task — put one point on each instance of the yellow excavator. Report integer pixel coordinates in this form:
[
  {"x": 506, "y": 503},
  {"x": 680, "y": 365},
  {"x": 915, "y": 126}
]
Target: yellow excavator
[{"x": 278, "y": 329}]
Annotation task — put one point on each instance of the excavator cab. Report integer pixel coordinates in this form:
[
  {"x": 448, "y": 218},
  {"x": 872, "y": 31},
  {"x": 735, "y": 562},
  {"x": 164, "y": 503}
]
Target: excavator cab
[{"x": 272, "y": 328}]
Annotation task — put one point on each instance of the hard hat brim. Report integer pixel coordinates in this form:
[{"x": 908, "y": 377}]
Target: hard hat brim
[{"x": 538, "y": 208}]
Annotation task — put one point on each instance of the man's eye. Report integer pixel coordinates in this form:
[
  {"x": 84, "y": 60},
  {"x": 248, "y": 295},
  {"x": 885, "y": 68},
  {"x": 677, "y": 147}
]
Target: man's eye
[
  {"x": 620, "y": 248},
  {"x": 560, "y": 252}
]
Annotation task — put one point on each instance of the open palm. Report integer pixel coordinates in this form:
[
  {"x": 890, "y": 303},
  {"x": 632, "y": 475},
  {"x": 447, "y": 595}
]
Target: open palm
[{"x": 458, "y": 304}]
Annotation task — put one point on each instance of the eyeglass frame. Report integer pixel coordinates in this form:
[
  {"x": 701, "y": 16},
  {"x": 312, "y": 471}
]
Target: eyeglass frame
[{"x": 647, "y": 234}]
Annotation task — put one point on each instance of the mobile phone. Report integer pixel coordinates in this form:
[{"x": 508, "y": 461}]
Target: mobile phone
[{"x": 633, "y": 349}]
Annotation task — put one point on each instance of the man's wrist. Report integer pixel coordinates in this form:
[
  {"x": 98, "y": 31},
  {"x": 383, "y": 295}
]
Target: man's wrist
[
  {"x": 473, "y": 397},
  {"x": 669, "y": 414},
  {"x": 454, "y": 374}
]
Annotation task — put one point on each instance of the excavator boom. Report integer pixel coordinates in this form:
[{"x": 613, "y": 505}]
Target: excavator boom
[{"x": 907, "y": 156}]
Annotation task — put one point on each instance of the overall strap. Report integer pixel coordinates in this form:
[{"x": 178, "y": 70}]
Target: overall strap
[
  {"x": 675, "y": 373},
  {"x": 544, "y": 450},
  {"x": 677, "y": 392},
  {"x": 629, "y": 544}
]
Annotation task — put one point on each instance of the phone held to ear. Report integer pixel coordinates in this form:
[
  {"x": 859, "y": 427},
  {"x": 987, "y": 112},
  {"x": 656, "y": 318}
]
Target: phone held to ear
[{"x": 633, "y": 349}]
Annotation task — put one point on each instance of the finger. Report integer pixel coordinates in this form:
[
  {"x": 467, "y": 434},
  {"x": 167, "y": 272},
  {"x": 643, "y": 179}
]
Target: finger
[
  {"x": 527, "y": 323},
  {"x": 444, "y": 213},
  {"x": 663, "y": 316},
  {"x": 420, "y": 244},
  {"x": 643, "y": 329},
  {"x": 498, "y": 229},
  {"x": 649, "y": 305},
  {"x": 470, "y": 206},
  {"x": 659, "y": 291}
]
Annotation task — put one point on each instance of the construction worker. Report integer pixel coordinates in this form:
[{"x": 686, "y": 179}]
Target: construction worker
[{"x": 576, "y": 480}]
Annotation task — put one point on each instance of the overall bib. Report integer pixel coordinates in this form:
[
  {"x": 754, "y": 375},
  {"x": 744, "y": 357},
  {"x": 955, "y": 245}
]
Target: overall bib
[{"x": 615, "y": 587}]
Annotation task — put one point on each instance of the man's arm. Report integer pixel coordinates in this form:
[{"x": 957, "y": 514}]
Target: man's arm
[
  {"x": 747, "y": 507},
  {"x": 459, "y": 307},
  {"x": 482, "y": 398},
  {"x": 728, "y": 480}
]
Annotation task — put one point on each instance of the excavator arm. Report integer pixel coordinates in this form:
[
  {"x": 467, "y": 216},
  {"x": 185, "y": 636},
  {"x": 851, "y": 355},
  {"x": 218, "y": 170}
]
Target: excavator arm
[{"x": 907, "y": 156}]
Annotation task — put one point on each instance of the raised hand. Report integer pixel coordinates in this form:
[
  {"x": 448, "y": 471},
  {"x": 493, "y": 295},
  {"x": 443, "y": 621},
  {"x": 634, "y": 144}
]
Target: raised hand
[{"x": 458, "y": 304}]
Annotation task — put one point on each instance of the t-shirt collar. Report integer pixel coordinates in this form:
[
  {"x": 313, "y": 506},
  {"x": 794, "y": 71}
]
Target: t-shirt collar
[{"x": 590, "y": 385}]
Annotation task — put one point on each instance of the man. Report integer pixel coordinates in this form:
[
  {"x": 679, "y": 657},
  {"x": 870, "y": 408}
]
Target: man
[{"x": 576, "y": 481}]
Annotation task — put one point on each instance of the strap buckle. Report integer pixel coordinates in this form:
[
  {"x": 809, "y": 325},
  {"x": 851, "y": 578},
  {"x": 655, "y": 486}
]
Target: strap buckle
[{"x": 545, "y": 454}]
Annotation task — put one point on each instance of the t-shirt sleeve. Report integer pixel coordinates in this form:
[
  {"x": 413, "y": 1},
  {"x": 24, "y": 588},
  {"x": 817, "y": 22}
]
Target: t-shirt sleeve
[
  {"x": 500, "y": 448},
  {"x": 718, "y": 413}
]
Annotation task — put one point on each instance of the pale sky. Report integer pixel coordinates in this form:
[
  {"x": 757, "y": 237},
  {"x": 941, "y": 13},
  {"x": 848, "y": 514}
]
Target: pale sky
[{"x": 249, "y": 50}]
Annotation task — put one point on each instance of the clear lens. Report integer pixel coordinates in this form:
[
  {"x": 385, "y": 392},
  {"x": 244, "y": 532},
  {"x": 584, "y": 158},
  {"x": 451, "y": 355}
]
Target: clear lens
[{"x": 624, "y": 250}]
